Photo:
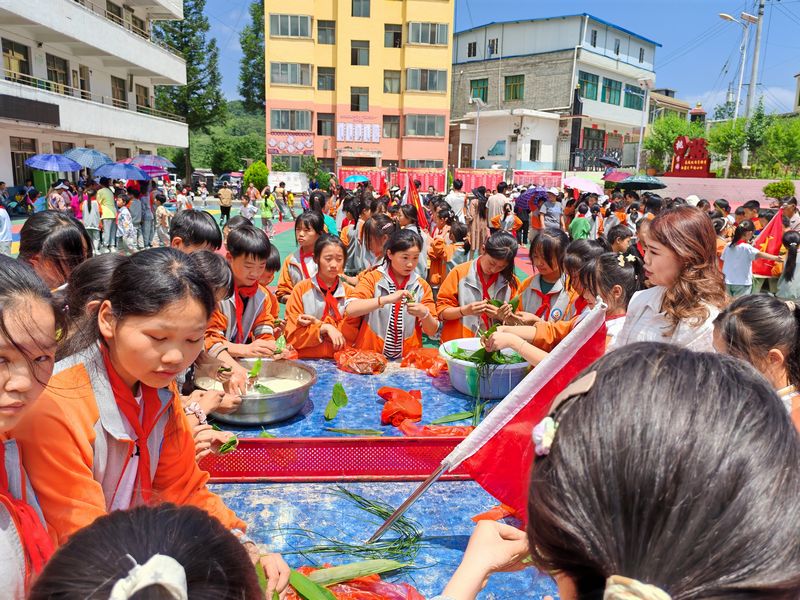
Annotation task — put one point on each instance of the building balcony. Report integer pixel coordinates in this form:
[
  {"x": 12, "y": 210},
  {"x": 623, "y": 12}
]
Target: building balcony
[
  {"x": 87, "y": 28},
  {"x": 86, "y": 113},
  {"x": 160, "y": 9}
]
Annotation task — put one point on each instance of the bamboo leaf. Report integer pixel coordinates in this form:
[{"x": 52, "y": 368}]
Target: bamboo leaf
[
  {"x": 339, "y": 396},
  {"x": 459, "y": 416},
  {"x": 342, "y": 573},
  {"x": 262, "y": 389},
  {"x": 256, "y": 370},
  {"x": 307, "y": 589},
  {"x": 280, "y": 345},
  {"x": 266, "y": 434},
  {"x": 496, "y": 303},
  {"x": 229, "y": 446},
  {"x": 364, "y": 432},
  {"x": 331, "y": 410}
]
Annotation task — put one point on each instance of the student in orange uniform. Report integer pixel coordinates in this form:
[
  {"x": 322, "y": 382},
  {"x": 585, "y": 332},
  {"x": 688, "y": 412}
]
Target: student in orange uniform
[
  {"x": 508, "y": 221},
  {"x": 315, "y": 323},
  {"x": 396, "y": 303},
  {"x": 242, "y": 325},
  {"x": 464, "y": 297},
  {"x": 110, "y": 433},
  {"x": 545, "y": 295},
  {"x": 300, "y": 265}
]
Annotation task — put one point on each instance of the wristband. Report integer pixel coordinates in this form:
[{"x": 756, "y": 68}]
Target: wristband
[{"x": 194, "y": 409}]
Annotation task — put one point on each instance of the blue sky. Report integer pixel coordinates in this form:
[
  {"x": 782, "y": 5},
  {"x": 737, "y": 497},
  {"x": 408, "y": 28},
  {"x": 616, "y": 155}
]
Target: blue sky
[{"x": 699, "y": 57}]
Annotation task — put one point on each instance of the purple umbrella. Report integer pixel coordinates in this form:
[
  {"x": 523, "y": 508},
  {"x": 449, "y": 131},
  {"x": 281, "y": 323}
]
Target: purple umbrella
[{"x": 151, "y": 160}]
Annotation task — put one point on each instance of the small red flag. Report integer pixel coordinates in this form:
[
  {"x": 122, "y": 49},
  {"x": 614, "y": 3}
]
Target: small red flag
[
  {"x": 384, "y": 188},
  {"x": 412, "y": 197},
  {"x": 769, "y": 240}
]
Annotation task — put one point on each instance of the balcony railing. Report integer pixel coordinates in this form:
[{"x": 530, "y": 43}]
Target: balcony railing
[
  {"x": 120, "y": 22},
  {"x": 85, "y": 95}
]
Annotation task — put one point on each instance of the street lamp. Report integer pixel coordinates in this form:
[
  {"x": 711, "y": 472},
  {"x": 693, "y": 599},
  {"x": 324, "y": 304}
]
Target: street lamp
[
  {"x": 647, "y": 83},
  {"x": 480, "y": 104}
]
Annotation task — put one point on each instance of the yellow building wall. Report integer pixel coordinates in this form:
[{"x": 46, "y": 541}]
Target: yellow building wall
[{"x": 338, "y": 56}]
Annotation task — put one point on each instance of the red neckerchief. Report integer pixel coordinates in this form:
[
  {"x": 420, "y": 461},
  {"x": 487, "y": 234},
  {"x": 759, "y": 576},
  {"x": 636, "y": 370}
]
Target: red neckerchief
[
  {"x": 151, "y": 411},
  {"x": 303, "y": 257},
  {"x": 239, "y": 294},
  {"x": 639, "y": 248},
  {"x": 36, "y": 543},
  {"x": 399, "y": 285},
  {"x": 485, "y": 286},
  {"x": 580, "y": 304},
  {"x": 331, "y": 304},
  {"x": 544, "y": 309}
]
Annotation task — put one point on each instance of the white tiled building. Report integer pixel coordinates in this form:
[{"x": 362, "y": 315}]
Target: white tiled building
[{"x": 82, "y": 73}]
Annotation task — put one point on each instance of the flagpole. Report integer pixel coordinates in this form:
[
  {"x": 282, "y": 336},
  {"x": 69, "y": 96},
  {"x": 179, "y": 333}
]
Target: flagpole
[{"x": 407, "y": 504}]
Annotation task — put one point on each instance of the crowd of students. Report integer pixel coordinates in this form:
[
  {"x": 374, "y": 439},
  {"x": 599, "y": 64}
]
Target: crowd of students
[{"x": 115, "y": 423}]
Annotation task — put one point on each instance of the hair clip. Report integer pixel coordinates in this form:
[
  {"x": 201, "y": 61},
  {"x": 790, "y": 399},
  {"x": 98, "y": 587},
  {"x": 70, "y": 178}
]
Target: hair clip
[
  {"x": 160, "y": 570},
  {"x": 792, "y": 306},
  {"x": 625, "y": 588},
  {"x": 387, "y": 226},
  {"x": 544, "y": 432}
]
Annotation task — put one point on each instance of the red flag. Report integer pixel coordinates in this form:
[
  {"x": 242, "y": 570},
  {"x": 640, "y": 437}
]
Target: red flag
[
  {"x": 502, "y": 465},
  {"x": 412, "y": 197},
  {"x": 384, "y": 189},
  {"x": 769, "y": 241}
]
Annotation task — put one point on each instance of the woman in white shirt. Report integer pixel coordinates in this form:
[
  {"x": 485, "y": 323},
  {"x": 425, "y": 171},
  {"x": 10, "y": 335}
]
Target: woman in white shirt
[
  {"x": 689, "y": 290},
  {"x": 737, "y": 260}
]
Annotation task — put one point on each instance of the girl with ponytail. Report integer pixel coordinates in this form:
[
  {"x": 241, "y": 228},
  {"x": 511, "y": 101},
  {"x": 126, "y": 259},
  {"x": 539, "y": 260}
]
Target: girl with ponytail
[{"x": 789, "y": 282}]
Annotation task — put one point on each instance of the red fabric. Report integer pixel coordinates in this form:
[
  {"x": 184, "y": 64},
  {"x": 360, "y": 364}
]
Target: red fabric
[
  {"x": 502, "y": 464},
  {"x": 303, "y": 257},
  {"x": 396, "y": 307},
  {"x": 412, "y": 196},
  {"x": 501, "y": 511},
  {"x": 769, "y": 240},
  {"x": 370, "y": 587},
  {"x": 384, "y": 189},
  {"x": 151, "y": 411},
  {"x": 580, "y": 305},
  {"x": 36, "y": 543},
  {"x": 544, "y": 310},
  {"x": 331, "y": 304},
  {"x": 411, "y": 429},
  {"x": 239, "y": 294},
  {"x": 400, "y": 405},
  {"x": 361, "y": 362},
  {"x": 485, "y": 286},
  {"x": 425, "y": 359}
]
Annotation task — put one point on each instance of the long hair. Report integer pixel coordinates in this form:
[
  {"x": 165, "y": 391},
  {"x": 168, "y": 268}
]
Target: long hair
[
  {"x": 689, "y": 234},
  {"x": 503, "y": 246},
  {"x": 790, "y": 240},
  {"x": 678, "y": 469}
]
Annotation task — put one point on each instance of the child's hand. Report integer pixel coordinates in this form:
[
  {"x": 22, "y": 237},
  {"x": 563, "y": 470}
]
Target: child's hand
[
  {"x": 277, "y": 572},
  {"x": 203, "y": 436},
  {"x": 475, "y": 308},
  {"x": 335, "y": 336},
  {"x": 418, "y": 310},
  {"x": 209, "y": 400},
  {"x": 229, "y": 403},
  {"x": 504, "y": 312},
  {"x": 306, "y": 320},
  {"x": 396, "y": 297},
  {"x": 261, "y": 348},
  {"x": 500, "y": 340},
  {"x": 238, "y": 383}
]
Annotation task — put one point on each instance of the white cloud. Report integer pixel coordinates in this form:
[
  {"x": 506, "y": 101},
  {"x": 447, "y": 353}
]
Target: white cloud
[{"x": 776, "y": 99}]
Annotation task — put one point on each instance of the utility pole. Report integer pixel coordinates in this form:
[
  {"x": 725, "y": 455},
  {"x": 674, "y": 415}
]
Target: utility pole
[{"x": 751, "y": 90}]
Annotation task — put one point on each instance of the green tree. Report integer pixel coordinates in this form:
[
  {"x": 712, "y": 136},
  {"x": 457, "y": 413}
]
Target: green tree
[
  {"x": 312, "y": 167},
  {"x": 223, "y": 156},
  {"x": 783, "y": 143},
  {"x": 279, "y": 165},
  {"x": 200, "y": 101},
  {"x": 257, "y": 174},
  {"x": 663, "y": 133},
  {"x": 252, "y": 69},
  {"x": 727, "y": 137},
  {"x": 725, "y": 111},
  {"x": 757, "y": 127}
]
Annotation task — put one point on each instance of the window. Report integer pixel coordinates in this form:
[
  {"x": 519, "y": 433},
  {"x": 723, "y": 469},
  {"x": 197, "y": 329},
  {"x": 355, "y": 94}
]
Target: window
[
  {"x": 536, "y": 146},
  {"x": 425, "y": 125},
  {"x": 61, "y": 147},
  {"x": 359, "y": 53},
  {"x": 290, "y": 26},
  {"x": 479, "y": 88},
  {"x": 428, "y": 33},
  {"x": 16, "y": 62},
  {"x": 292, "y": 161},
  {"x": 588, "y": 84},
  {"x": 391, "y": 82},
  {"x": 290, "y": 120},
  {"x": 634, "y": 97},
  {"x": 114, "y": 12},
  {"x": 424, "y": 164},
  {"x": 325, "y": 124},
  {"x": 472, "y": 49},
  {"x": 326, "y": 32},
  {"x": 515, "y": 87},
  {"x": 57, "y": 73},
  {"x": 138, "y": 26},
  {"x": 641, "y": 55},
  {"x": 493, "y": 45},
  {"x": 391, "y": 126},
  {"x": 84, "y": 83},
  {"x": 426, "y": 80},
  {"x": 360, "y": 8},
  {"x": 290, "y": 73},
  {"x": 142, "y": 96},
  {"x": 326, "y": 78},
  {"x": 119, "y": 92},
  {"x": 122, "y": 153},
  {"x": 616, "y": 46},
  {"x": 359, "y": 99},
  {"x": 392, "y": 36},
  {"x": 593, "y": 38},
  {"x": 611, "y": 91},
  {"x": 21, "y": 150}
]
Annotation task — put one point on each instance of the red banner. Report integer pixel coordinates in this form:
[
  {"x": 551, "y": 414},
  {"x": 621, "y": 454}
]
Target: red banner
[
  {"x": 473, "y": 178},
  {"x": 546, "y": 179},
  {"x": 435, "y": 177},
  {"x": 374, "y": 174}
]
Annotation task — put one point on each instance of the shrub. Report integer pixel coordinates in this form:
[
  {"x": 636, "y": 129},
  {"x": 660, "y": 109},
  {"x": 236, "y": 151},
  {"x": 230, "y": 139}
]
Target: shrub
[
  {"x": 257, "y": 174},
  {"x": 779, "y": 189}
]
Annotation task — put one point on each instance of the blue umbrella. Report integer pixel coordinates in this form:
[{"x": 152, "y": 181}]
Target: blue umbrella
[
  {"x": 121, "y": 171},
  {"x": 52, "y": 162},
  {"x": 356, "y": 179},
  {"x": 152, "y": 160},
  {"x": 88, "y": 157}
]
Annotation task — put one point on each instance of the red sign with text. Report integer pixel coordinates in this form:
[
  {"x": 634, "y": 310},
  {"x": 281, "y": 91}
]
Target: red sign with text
[
  {"x": 473, "y": 178},
  {"x": 545, "y": 179},
  {"x": 690, "y": 158}
]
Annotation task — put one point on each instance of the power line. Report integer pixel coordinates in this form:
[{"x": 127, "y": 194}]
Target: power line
[{"x": 702, "y": 38}]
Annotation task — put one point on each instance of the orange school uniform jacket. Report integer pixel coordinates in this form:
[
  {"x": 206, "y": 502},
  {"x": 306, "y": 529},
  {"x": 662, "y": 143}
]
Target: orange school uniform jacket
[
  {"x": 307, "y": 298},
  {"x": 498, "y": 222},
  {"x": 292, "y": 274},
  {"x": 75, "y": 449},
  {"x": 560, "y": 298},
  {"x": 374, "y": 325},
  {"x": 462, "y": 287},
  {"x": 257, "y": 322}
]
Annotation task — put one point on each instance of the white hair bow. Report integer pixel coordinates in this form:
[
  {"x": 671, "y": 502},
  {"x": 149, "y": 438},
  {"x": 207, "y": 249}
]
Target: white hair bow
[{"x": 160, "y": 570}]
